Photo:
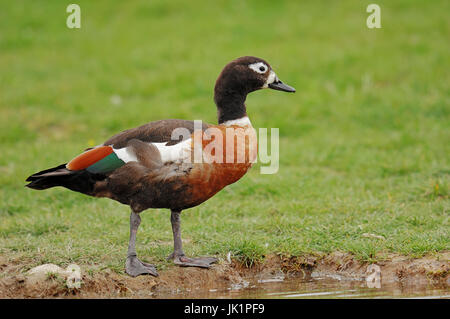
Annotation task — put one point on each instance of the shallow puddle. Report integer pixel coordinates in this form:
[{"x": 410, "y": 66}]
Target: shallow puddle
[{"x": 313, "y": 287}]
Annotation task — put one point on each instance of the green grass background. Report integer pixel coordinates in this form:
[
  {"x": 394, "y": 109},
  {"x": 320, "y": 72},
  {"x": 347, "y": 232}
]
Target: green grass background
[{"x": 364, "y": 142}]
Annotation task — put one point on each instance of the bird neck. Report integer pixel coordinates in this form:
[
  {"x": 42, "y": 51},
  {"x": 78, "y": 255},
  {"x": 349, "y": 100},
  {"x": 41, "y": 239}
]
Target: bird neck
[{"x": 230, "y": 105}]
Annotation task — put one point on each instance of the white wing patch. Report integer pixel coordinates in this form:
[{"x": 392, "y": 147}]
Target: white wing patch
[
  {"x": 169, "y": 153},
  {"x": 125, "y": 155},
  {"x": 174, "y": 153}
]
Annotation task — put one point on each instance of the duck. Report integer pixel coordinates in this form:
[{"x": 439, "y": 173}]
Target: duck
[{"x": 155, "y": 165}]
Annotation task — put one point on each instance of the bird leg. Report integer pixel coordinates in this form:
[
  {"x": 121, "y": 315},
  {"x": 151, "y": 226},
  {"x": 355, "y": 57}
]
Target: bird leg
[
  {"x": 133, "y": 266},
  {"x": 178, "y": 255}
]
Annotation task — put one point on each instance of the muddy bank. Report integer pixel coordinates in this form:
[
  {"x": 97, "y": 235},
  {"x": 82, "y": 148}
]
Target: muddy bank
[{"x": 177, "y": 282}]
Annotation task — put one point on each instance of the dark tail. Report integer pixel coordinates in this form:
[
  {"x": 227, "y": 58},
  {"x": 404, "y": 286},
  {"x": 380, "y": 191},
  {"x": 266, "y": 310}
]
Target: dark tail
[{"x": 79, "y": 181}]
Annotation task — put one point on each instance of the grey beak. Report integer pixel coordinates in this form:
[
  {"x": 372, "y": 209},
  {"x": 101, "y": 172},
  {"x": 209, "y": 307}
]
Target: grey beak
[{"x": 280, "y": 86}]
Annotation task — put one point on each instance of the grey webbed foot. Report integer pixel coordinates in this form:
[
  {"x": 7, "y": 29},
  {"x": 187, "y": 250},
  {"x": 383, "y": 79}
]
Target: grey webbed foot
[
  {"x": 134, "y": 267},
  {"x": 202, "y": 262}
]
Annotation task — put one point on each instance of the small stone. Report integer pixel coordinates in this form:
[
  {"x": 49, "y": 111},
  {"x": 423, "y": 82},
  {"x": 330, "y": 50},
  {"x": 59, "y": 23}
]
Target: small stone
[{"x": 72, "y": 274}]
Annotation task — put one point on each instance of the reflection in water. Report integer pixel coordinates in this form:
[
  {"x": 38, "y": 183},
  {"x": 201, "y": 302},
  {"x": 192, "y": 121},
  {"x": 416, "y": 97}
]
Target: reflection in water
[
  {"x": 315, "y": 286},
  {"x": 373, "y": 280}
]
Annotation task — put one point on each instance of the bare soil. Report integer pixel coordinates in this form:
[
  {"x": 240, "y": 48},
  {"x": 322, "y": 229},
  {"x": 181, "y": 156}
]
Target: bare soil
[{"x": 431, "y": 269}]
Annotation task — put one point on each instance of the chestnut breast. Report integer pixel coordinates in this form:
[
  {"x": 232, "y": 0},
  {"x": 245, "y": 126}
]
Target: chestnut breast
[{"x": 226, "y": 152}]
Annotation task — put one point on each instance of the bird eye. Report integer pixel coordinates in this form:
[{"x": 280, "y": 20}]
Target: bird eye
[{"x": 258, "y": 67}]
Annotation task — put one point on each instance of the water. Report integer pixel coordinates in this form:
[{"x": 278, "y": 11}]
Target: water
[{"x": 313, "y": 288}]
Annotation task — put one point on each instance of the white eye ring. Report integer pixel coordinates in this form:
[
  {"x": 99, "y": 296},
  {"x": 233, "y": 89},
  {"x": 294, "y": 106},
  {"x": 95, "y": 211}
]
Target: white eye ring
[{"x": 259, "y": 67}]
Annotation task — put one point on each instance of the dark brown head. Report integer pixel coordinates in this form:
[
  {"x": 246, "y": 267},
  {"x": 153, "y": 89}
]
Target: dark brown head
[{"x": 237, "y": 79}]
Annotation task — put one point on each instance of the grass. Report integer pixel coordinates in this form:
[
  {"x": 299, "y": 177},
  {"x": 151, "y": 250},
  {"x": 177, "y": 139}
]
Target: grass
[{"x": 364, "y": 141}]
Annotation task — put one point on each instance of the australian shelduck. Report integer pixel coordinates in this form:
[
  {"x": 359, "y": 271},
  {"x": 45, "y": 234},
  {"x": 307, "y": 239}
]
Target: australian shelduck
[{"x": 172, "y": 163}]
